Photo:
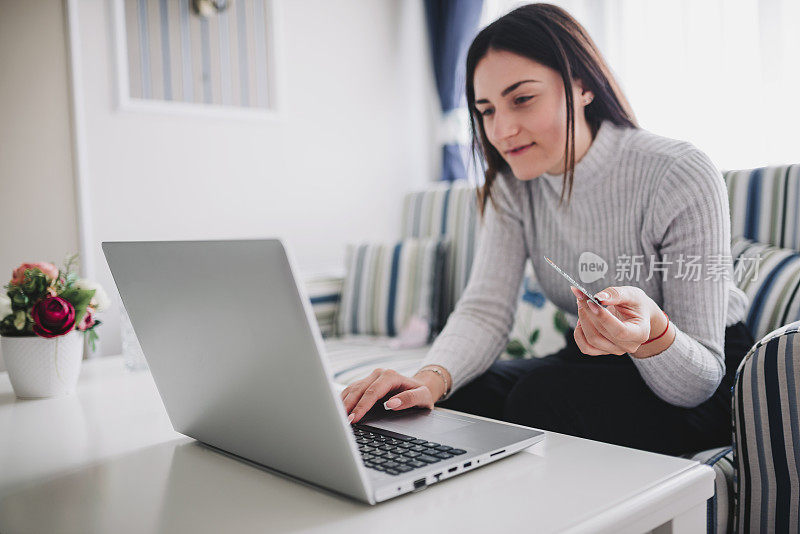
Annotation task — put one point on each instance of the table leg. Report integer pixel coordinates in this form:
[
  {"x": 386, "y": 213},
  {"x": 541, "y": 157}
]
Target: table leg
[{"x": 692, "y": 521}]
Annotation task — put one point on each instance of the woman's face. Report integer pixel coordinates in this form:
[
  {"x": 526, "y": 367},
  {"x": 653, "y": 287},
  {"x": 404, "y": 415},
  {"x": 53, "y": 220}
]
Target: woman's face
[{"x": 523, "y": 106}]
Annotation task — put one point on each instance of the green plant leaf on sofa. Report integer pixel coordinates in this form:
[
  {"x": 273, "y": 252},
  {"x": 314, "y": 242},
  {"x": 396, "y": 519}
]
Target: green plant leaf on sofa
[
  {"x": 560, "y": 321},
  {"x": 516, "y": 349},
  {"x": 534, "y": 336}
]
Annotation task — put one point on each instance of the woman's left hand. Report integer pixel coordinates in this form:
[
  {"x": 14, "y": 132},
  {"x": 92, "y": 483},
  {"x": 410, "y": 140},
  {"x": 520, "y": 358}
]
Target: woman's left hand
[{"x": 621, "y": 327}]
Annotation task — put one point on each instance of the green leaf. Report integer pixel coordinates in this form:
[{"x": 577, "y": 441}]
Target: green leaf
[
  {"x": 35, "y": 284},
  {"x": 534, "y": 336},
  {"x": 560, "y": 322},
  {"x": 70, "y": 262},
  {"x": 19, "y": 300},
  {"x": 516, "y": 349},
  {"x": 80, "y": 299},
  {"x": 7, "y": 326},
  {"x": 71, "y": 278},
  {"x": 93, "y": 337},
  {"x": 19, "y": 320}
]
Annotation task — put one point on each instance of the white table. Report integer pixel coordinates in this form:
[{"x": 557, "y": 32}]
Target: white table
[{"x": 107, "y": 460}]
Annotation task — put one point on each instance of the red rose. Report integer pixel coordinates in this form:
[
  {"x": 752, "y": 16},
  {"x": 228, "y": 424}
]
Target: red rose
[
  {"x": 53, "y": 316},
  {"x": 87, "y": 321}
]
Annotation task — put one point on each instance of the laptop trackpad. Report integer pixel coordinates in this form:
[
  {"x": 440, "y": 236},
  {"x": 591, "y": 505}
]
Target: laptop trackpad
[{"x": 421, "y": 422}]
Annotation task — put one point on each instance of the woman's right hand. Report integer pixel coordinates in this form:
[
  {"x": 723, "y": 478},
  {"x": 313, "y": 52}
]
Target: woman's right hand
[{"x": 361, "y": 395}]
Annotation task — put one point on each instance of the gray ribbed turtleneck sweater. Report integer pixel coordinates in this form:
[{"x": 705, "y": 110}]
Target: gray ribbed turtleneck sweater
[{"x": 637, "y": 197}]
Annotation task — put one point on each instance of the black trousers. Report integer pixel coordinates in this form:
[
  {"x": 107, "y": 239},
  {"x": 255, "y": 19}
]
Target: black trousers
[{"x": 603, "y": 398}]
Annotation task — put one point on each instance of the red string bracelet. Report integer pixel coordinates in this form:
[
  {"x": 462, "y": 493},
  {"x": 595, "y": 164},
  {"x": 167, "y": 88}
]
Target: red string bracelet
[{"x": 662, "y": 333}]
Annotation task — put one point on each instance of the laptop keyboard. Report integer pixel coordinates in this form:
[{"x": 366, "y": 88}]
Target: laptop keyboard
[{"x": 393, "y": 453}]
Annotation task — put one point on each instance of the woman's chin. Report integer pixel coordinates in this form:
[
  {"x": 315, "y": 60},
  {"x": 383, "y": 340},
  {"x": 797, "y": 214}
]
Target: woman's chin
[{"x": 526, "y": 174}]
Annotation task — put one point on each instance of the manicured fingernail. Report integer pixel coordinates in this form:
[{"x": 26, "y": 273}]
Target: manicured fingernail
[
  {"x": 602, "y": 296},
  {"x": 350, "y": 418},
  {"x": 594, "y": 307},
  {"x": 391, "y": 403}
]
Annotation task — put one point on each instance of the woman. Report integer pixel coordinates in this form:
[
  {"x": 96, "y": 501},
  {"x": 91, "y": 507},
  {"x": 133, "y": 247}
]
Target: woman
[{"x": 571, "y": 176}]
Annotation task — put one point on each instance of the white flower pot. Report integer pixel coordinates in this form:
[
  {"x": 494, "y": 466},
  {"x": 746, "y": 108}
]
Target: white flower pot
[{"x": 43, "y": 367}]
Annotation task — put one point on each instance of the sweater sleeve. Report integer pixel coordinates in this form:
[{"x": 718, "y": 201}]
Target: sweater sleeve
[
  {"x": 691, "y": 218},
  {"x": 477, "y": 330}
]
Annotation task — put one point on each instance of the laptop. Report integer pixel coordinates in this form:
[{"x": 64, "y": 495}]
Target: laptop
[{"x": 238, "y": 359}]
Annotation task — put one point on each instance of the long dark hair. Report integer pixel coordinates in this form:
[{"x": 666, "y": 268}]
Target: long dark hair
[{"x": 548, "y": 35}]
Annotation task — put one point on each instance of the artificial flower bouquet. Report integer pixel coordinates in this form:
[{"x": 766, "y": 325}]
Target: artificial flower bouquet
[{"x": 43, "y": 301}]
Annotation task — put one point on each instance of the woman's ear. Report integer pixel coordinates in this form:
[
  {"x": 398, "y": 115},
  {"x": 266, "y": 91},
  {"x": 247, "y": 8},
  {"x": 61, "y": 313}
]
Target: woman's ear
[{"x": 582, "y": 95}]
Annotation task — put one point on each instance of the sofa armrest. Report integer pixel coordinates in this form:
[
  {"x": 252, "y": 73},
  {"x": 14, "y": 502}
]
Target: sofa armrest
[
  {"x": 766, "y": 395},
  {"x": 720, "y": 507},
  {"x": 324, "y": 290}
]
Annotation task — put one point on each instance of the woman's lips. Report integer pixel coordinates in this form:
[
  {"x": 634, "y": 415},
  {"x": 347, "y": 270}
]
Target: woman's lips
[{"x": 519, "y": 151}]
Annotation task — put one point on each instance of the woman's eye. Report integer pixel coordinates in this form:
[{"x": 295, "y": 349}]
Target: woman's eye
[
  {"x": 485, "y": 112},
  {"x": 522, "y": 99}
]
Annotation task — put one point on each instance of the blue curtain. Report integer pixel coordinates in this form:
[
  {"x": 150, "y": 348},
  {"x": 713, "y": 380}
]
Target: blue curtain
[{"x": 451, "y": 26}]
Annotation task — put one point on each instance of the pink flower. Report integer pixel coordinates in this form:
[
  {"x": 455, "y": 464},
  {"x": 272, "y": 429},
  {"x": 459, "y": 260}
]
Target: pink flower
[
  {"x": 49, "y": 270},
  {"x": 88, "y": 320},
  {"x": 53, "y": 316}
]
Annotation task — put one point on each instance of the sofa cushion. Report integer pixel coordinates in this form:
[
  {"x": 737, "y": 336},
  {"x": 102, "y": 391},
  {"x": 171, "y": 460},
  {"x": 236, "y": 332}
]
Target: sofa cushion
[
  {"x": 539, "y": 326},
  {"x": 451, "y": 211},
  {"x": 386, "y": 285},
  {"x": 765, "y": 204},
  {"x": 354, "y": 357},
  {"x": 770, "y": 276},
  {"x": 324, "y": 292}
]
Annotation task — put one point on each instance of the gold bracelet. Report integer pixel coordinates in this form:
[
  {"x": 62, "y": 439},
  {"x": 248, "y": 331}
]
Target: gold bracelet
[{"x": 440, "y": 373}]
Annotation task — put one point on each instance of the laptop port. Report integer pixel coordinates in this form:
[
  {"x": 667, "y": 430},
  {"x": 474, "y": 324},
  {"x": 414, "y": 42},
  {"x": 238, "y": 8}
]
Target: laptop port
[
  {"x": 419, "y": 483},
  {"x": 496, "y": 453},
  {"x": 468, "y": 464},
  {"x": 452, "y": 469}
]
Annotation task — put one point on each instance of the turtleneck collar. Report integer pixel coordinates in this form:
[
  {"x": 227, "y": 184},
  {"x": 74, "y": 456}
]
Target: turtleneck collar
[{"x": 602, "y": 155}]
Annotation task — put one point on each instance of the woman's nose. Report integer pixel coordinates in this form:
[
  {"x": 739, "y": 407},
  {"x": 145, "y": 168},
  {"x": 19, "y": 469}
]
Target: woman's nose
[{"x": 504, "y": 126}]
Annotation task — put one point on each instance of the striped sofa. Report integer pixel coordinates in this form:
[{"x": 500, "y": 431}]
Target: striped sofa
[{"x": 757, "y": 486}]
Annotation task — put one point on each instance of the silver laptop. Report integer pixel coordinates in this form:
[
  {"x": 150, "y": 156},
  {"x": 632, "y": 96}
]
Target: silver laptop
[{"x": 239, "y": 361}]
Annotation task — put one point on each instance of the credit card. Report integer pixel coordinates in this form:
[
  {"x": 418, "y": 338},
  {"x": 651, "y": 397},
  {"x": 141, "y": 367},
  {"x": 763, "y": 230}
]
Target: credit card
[{"x": 574, "y": 283}]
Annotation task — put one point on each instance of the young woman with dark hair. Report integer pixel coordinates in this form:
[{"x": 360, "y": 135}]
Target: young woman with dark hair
[{"x": 570, "y": 173}]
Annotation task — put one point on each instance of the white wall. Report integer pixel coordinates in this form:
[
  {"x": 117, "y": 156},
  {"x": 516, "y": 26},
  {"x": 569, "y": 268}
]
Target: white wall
[
  {"x": 356, "y": 133},
  {"x": 37, "y": 200}
]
